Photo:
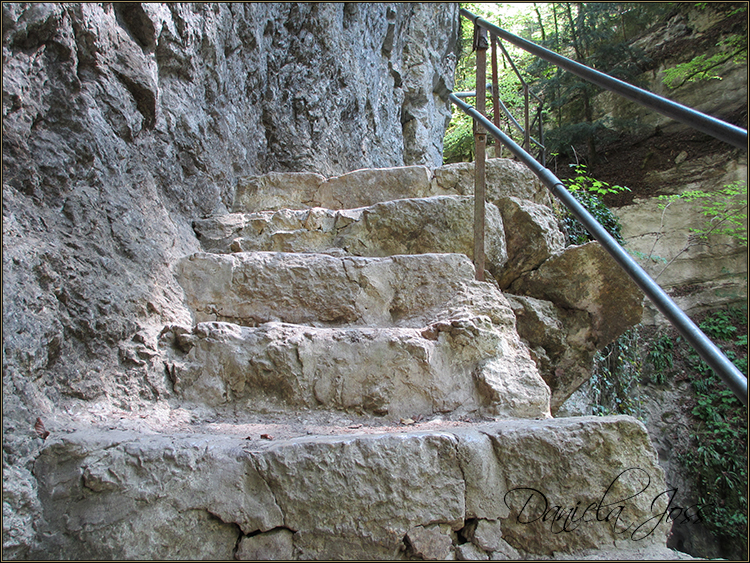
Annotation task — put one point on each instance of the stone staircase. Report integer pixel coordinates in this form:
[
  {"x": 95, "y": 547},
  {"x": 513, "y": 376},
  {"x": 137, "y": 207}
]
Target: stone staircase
[{"x": 349, "y": 391}]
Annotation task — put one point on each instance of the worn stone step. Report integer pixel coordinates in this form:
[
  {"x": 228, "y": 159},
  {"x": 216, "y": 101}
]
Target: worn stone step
[
  {"x": 267, "y": 490},
  {"x": 360, "y": 188},
  {"x": 461, "y": 365},
  {"x": 250, "y": 288},
  {"x": 439, "y": 224}
]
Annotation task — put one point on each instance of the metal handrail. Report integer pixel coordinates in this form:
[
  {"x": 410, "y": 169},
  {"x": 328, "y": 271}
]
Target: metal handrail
[
  {"x": 506, "y": 111},
  {"x": 707, "y": 350},
  {"x": 705, "y": 123},
  {"x": 736, "y": 136}
]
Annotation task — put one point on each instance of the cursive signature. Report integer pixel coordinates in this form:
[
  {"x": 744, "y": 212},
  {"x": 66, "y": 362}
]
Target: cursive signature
[{"x": 608, "y": 508}]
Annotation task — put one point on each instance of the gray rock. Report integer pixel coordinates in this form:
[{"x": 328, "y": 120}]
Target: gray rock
[
  {"x": 532, "y": 235},
  {"x": 569, "y": 508},
  {"x": 488, "y": 535},
  {"x": 470, "y": 552},
  {"x": 105, "y": 506},
  {"x": 588, "y": 279},
  {"x": 444, "y": 367},
  {"x": 365, "y": 187},
  {"x": 276, "y": 545},
  {"x": 318, "y": 289},
  {"x": 504, "y": 177},
  {"x": 562, "y": 343},
  {"x": 129, "y": 494},
  {"x": 505, "y": 552},
  {"x": 276, "y": 190},
  {"x": 431, "y": 543},
  {"x": 123, "y": 122}
]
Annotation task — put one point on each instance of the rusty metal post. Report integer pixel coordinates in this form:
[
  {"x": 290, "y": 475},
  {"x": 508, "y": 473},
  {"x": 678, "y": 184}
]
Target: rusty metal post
[
  {"x": 480, "y": 141},
  {"x": 527, "y": 133},
  {"x": 495, "y": 95}
]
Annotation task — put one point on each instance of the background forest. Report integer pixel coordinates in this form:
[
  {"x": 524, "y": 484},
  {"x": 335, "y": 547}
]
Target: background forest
[{"x": 597, "y": 152}]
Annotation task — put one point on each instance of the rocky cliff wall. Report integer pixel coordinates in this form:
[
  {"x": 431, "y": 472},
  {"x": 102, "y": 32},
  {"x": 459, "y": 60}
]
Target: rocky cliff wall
[
  {"x": 657, "y": 155},
  {"x": 123, "y": 122}
]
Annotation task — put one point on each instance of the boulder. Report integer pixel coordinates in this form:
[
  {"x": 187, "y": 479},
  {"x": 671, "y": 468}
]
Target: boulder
[
  {"x": 561, "y": 341},
  {"x": 532, "y": 235},
  {"x": 588, "y": 279},
  {"x": 504, "y": 177}
]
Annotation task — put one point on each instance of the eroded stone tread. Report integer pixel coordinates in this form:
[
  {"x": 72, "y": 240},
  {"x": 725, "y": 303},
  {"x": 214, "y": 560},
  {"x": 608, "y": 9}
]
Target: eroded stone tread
[{"x": 389, "y": 483}]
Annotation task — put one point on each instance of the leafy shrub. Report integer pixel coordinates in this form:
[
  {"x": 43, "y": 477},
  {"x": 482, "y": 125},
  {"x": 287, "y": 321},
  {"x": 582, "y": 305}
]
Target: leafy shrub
[
  {"x": 725, "y": 210},
  {"x": 589, "y": 191},
  {"x": 720, "y": 457},
  {"x": 616, "y": 375},
  {"x": 660, "y": 358}
]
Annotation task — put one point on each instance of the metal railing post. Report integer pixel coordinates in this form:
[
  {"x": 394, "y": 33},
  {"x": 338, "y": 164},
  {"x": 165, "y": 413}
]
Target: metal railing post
[
  {"x": 526, "y": 129},
  {"x": 495, "y": 95},
  {"x": 480, "y": 141}
]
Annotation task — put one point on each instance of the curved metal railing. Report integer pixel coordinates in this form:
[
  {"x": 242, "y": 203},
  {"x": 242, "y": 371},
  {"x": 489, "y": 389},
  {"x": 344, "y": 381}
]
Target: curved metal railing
[{"x": 732, "y": 134}]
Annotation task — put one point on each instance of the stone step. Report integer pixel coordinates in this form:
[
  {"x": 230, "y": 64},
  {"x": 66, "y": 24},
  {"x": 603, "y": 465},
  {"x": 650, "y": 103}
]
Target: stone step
[
  {"x": 376, "y": 335},
  {"x": 434, "y": 490},
  {"x": 360, "y": 188},
  {"x": 460, "y": 365},
  {"x": 251, "y": 288},
  {"x": 439, "y": 224}
]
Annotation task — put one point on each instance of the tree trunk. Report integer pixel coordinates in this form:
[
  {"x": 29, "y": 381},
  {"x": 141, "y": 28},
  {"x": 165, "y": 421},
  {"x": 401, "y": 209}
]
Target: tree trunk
[{"x": 541, "y": 25}]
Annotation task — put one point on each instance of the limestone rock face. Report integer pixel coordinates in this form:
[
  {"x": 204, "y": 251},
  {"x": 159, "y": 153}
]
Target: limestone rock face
[
  {"x": 133, "y": 495},
  {"x": 146, "y": 359},
  {"x": 706, "y": 275}
]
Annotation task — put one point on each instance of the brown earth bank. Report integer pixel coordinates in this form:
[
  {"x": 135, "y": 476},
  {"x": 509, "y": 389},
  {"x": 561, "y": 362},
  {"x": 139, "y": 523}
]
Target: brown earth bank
[{"x": 627, "y": 161}]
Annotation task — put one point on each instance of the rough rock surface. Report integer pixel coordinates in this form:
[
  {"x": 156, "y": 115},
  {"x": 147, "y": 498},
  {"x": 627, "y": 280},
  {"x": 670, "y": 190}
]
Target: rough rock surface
[
  {"x": 438, "y": 224},
  {"x": 504, "y": 177},
  {"x": 562, "y": 343},
  {"x": 125, "y": 122},
  {"x": 532, "y": 236},
  {"x": 575, "y": 303},
  {"x": 698, "y": 275},
  {"x": 251, "y": 288},
  {"x": 394, "y": 492},
  {"x": 588, "y": 279},
  {"x": 422, "y": 343}
]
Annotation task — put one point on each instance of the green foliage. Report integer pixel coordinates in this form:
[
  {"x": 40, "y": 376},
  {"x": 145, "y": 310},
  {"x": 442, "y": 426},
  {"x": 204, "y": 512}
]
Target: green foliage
[
  {"x": 720, "y": 456},
  {"x": 724, "y": 209},
  {"x": 660, "y": 358},
  {"x": 458, "y": 143},
  {"x": 720, "y": 325},
  {"x": 701, "y": 67},
  {"x": 459, "y": 134},
  {"x": 616, "y": 375},
  {"x": 589, "y": 191},
  {"x": 599, "y": 35}
]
